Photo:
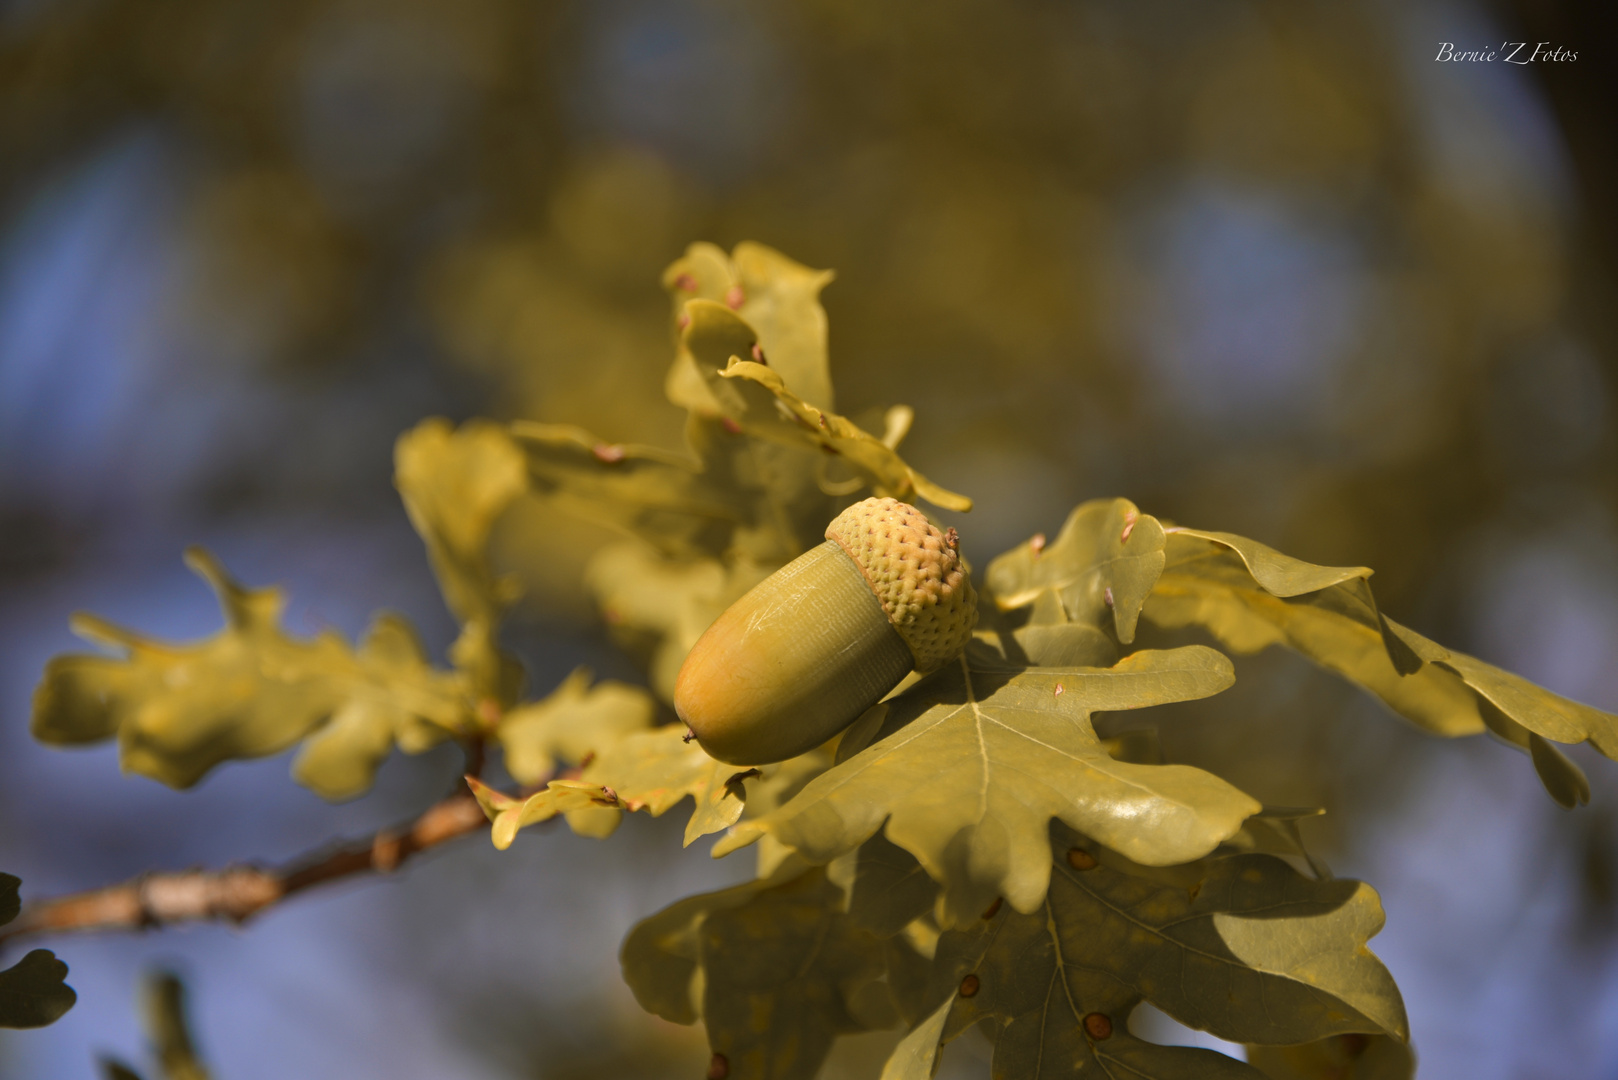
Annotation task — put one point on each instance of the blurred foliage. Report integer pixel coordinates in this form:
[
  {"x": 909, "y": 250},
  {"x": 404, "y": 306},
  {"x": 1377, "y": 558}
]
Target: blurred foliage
[
  {"x": 177, "y": 711},
  {"x": 168, "y": 1030},
  {"x": 33, "y": 992}
]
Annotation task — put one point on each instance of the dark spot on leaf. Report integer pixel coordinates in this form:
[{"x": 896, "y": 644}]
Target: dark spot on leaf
[
  {"x": 1354, "y": 1045},
  {"x": 969, "y": 986},
  {"x": 1079, "y": 859},
  {"x": 994, "y": 908},
  {"x": 1098, "y": 1026}
]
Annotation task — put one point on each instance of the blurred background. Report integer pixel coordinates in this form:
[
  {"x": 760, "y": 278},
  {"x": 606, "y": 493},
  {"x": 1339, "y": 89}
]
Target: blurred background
[{"x": 1261, "y": 267}]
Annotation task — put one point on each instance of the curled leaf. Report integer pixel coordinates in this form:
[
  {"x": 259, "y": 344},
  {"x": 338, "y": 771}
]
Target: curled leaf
[
  {"x": 776, "y": 297},
  {"x": 1501, "y": 694},
  {"x": 767, "y": 408},
  {"x": 508, "y": 814},
  {"x": 1250, "y": 597}
]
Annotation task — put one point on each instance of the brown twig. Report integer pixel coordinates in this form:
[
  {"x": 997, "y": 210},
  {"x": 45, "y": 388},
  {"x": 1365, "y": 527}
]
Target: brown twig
[{"x": 237, "y": 893}]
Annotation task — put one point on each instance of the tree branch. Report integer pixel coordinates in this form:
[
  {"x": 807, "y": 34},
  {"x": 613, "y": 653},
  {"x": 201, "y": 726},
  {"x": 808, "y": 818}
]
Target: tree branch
[{"x": 237, "y": 893}]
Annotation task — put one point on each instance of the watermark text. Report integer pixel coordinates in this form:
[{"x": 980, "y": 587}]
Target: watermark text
[{"x": 1510, "y": 52}]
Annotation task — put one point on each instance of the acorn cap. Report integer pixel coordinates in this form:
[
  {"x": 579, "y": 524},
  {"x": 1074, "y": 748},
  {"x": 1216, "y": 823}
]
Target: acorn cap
[{"x": 916, "y": 574}]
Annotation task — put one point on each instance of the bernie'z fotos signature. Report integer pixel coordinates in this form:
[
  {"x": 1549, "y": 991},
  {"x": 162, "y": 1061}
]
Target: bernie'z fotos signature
[{"x": 1512, "y": 52}]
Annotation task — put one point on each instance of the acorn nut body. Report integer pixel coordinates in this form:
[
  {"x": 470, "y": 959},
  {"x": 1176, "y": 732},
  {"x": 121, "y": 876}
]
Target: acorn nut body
[{"x": 821, "y": 640}]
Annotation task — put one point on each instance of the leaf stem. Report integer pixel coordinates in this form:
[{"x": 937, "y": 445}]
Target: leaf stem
[{"x": 473, "y": 746}]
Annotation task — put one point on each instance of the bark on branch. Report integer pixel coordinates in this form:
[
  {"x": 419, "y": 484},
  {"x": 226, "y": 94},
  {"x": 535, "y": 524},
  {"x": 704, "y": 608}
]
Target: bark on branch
[{"x": 237, "y": 893}]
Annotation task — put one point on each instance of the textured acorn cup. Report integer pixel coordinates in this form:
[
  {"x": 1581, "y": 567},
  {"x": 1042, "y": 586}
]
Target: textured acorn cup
[{"x": 821, "y": 640}]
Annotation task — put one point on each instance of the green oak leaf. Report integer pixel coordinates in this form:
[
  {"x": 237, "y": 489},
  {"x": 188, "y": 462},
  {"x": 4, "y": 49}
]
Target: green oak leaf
[
  {"x": 33, "y": 991},
  {"x": 248, "y": 691},
  {"x": 1049, "y": 1016},
  {"x": 970, "y": 765},
  {"x": 890, "y": 888},
  {"x": 569, "y": 725},
  {"x": 1250, "y": 597},
  {"x": 1526, "y": 715},
  {"x": 1252, "y": 951},
  {"x": 773, "y": 968},
  {"x": 1341, "y": 1057},
  {"x": 1105, "y": 561}
]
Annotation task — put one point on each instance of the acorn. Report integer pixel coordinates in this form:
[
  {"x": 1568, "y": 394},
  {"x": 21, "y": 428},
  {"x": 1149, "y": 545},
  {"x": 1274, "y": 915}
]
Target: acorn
[{"x": 825, "y": 637}]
